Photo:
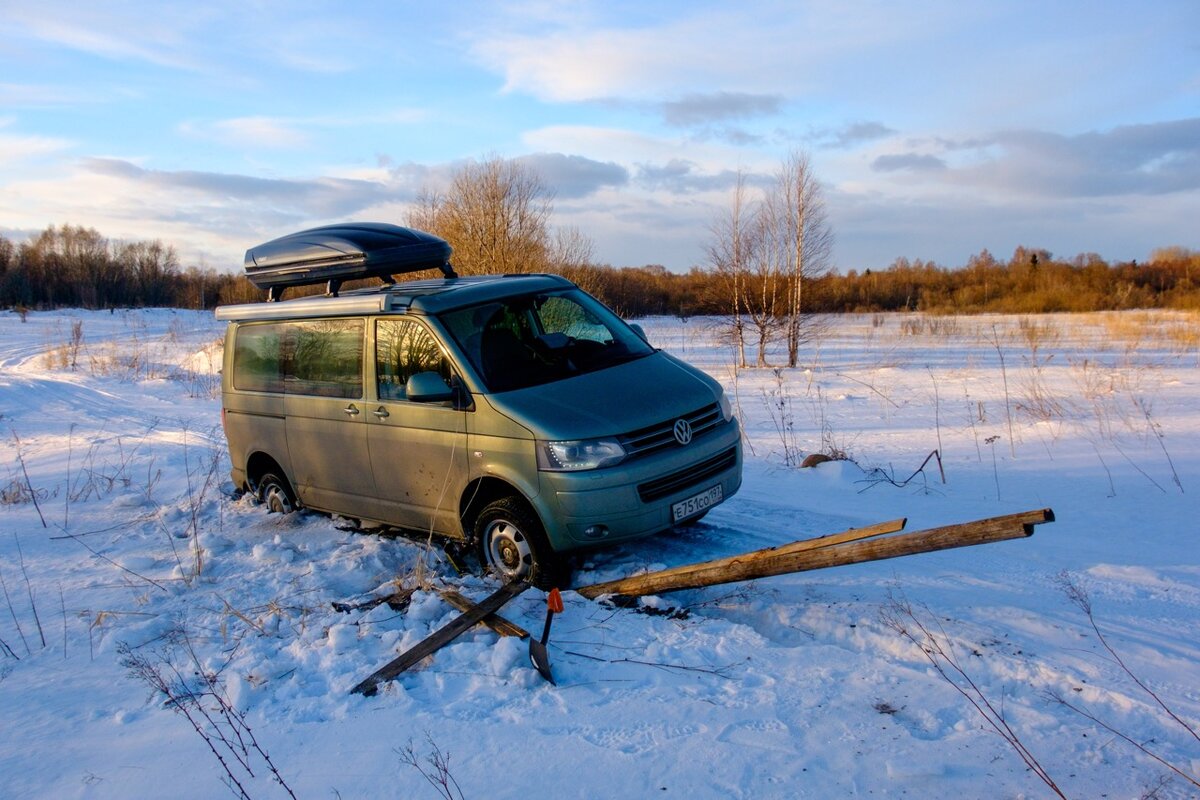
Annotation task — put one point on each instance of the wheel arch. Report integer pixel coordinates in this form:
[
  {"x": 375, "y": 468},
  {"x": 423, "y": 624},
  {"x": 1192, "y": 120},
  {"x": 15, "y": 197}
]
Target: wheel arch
[
  {"x": 482, "y": 491},
  {"x": 259, "y": 464}
]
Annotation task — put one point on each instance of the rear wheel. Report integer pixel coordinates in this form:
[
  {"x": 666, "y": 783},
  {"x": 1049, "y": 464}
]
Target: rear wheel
[
  {"x": 513, "y": 544},
  {"x": 275, "y": 493}
]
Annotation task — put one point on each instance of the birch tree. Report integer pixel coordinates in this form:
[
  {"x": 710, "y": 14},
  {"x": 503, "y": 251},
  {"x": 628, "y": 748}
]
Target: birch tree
[
  {"x": 800, "y": 226},
  {"x": 730, "y": 243}
]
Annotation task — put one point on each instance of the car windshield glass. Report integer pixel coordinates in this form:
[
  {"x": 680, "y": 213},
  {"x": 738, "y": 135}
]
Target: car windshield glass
[{"x": 530, "y": 340}]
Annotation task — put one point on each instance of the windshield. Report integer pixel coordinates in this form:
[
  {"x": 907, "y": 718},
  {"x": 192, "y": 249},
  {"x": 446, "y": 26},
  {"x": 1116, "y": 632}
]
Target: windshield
[{"x": 527, "y": 341}]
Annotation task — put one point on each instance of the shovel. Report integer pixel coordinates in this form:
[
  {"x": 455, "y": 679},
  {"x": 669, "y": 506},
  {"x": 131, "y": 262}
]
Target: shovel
[{"x": 537, "y": 650}]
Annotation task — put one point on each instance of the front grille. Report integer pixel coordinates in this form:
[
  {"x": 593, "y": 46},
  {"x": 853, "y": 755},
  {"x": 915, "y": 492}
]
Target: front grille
[
  {"x": 695, "y": 474},
  {"x": 662, "y": 435}
]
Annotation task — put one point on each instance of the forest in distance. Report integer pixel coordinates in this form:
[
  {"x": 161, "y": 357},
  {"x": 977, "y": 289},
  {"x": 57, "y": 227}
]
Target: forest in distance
[{"x": 71, "y": 266}]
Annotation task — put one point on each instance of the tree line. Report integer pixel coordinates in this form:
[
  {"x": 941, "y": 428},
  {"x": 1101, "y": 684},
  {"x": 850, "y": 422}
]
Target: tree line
[
  {"x": 1169, "y": 279},
  {"x": 767, "y": 266},
  {"x": 72, "y": 266}
]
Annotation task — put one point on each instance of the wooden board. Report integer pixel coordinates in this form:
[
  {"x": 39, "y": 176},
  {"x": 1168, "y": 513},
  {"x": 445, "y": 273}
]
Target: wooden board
[
  {"x": 494, "y": 621},
  {"x": 440, "y": 638}
]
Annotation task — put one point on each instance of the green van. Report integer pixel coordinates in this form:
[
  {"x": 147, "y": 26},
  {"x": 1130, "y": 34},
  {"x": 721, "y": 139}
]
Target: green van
[{"x": 516, "y": 414}]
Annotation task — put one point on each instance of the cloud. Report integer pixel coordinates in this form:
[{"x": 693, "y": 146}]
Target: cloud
[
  {"x": 575, "y": 176},
  {"x": 680, "y": 176},
  {"x": 702, "y": 109},
  {"x": 1143, "y": 159},
  {"x": 1154, "y": 158},
  {"x": 853, "y": 134},
  {"x": 318, "y": 197},
  {"x": 914, "y": 162},
  {"x": 16, "y": 148},
  {"x": 630, "y": 148},
  {"x": 603, "y": 51},
  {"x": 109, "y": 31},
  {"x": 293, "y": 132},
  {"x": 267, "y": 132},
  {"x": 207, "y": 38}
]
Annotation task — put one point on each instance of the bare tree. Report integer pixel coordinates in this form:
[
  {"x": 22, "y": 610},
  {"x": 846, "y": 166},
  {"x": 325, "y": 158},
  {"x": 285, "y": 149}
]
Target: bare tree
[
  {"x": 804, "y": 238},
  {"x": 764, "y": 254},
  {"x": 495, "y": 215},
  {"x": 764, "y": 287},
  {"x": 728, "y": 255}
]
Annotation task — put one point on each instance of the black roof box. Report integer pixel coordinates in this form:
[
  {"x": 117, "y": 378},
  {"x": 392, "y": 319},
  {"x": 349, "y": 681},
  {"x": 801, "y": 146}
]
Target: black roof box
[{"x": 336, "y": 253}]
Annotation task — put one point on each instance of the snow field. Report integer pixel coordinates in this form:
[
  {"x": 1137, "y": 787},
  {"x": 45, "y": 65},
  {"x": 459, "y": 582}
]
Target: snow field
[{"x": 787, "y": 687}]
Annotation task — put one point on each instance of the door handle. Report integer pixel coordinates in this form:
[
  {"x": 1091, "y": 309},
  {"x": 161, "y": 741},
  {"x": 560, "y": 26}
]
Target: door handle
[
  {"x": 351, "y": 410},
  {"x": 380, "y": 413}
]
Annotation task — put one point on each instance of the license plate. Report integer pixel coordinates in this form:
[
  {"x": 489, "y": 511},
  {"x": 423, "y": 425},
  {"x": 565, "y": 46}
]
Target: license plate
[{"x": 696, "y": 503}]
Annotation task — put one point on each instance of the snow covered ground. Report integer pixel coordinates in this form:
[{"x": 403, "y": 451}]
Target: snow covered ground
[{"x": 795, "y": 686}]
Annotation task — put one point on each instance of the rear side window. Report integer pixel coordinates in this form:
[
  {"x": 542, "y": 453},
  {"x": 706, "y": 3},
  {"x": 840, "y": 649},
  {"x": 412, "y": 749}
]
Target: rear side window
[
  {"x": 318, "y": 357},
  {"x": 404, "y": 347},
  {"x": 326, "y": 358}
]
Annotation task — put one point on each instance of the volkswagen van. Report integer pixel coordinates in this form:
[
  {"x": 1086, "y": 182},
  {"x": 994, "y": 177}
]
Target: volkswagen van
[{"x": 515, "y": 414}]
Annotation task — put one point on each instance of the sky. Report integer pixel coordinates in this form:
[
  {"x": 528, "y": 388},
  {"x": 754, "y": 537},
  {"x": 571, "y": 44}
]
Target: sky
[{"x": 937, "y": 129}]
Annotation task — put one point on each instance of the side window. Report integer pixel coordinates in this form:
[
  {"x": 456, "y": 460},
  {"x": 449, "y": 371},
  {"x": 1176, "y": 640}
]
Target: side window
[
  {"x": 404, "y": 347},
  {"x": 324, "y": 358},
  {"x": 256, "y": 358}
]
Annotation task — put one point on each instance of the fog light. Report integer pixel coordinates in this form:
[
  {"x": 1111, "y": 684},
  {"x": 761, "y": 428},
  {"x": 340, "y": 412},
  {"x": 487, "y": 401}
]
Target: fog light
[{"x": 595, "y": 531}]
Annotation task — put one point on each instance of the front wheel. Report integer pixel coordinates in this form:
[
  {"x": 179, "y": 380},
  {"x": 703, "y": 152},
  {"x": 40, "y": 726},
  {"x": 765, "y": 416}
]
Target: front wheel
[
  {"x": 513, "y": 544},
  {"x": 275, "y": 493}
]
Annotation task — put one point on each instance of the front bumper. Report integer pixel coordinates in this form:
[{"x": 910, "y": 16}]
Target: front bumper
[{"x": 633, "y": 499}]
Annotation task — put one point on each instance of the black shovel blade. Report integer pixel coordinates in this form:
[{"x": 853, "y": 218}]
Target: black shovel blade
[
  {"x": 537, "y": 649},
  {"x": 540, "y": 659}
]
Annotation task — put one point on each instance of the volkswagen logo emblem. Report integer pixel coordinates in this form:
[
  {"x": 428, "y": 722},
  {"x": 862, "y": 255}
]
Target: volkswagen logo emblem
[{"x": 683, "y": 431}]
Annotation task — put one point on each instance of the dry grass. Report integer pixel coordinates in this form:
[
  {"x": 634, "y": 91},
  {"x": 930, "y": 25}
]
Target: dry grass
[{"x": 925, "y": 325}]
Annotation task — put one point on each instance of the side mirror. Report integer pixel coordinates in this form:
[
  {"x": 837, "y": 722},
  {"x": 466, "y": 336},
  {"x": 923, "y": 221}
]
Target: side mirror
[
  {"x": 428, "y": 387},
  {"x": 638, "y": 330}
]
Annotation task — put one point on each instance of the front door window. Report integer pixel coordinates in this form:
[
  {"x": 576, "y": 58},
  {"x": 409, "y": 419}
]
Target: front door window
[{"x": 404, "y": 347}]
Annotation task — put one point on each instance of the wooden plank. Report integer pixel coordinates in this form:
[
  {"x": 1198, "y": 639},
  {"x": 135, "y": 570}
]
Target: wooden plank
[
  {"x": 766, "y": 563},
  {"x": 494, "y": 621},
  {"x": 440, "y": 638}
]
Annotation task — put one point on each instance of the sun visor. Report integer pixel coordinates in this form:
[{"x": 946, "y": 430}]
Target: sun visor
[{"x": 336, "y": 253}]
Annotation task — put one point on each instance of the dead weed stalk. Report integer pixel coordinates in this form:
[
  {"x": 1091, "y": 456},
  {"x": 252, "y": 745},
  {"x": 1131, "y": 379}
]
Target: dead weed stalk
[
  {"x": 196, "y": 693},
  {"x": 938, "y": 650}
]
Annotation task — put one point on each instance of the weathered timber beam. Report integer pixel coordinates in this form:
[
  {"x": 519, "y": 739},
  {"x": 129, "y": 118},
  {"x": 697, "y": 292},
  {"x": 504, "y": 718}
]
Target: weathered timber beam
[
  {"x": 496, "y": 622},
  {"x": 851, "y": 535},
  {"x": 744, "y": 566},
  {"x": 767, "y": 563}
]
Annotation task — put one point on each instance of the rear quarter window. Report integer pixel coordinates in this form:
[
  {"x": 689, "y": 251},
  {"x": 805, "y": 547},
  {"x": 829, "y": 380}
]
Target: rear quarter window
[{"x": 256, "y": 358}]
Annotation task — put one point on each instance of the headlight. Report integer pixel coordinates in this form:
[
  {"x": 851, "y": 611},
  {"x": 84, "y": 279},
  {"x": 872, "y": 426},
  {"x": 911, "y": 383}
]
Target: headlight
[
  {"x": 579, "y": 455},
  {"x": 726, "y": 407}
]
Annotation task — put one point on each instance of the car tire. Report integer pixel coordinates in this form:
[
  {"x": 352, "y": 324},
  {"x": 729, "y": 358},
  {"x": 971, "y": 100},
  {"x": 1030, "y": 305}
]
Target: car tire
[
  {"x": 513, "y": 544},
  {"x": 274, "y": 492}
]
